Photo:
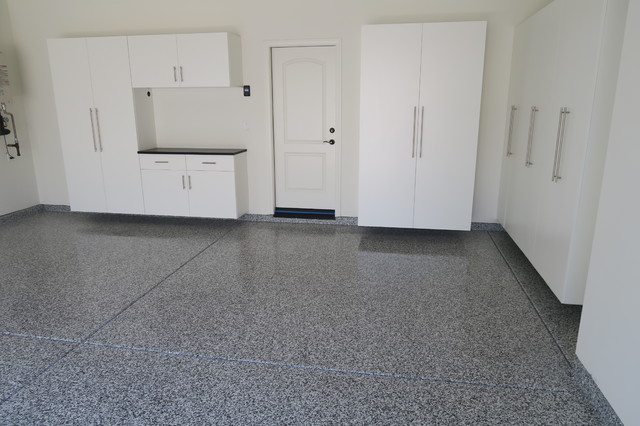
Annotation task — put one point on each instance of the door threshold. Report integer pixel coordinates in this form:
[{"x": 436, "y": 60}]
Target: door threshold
[{"x": 300, "y": 213}]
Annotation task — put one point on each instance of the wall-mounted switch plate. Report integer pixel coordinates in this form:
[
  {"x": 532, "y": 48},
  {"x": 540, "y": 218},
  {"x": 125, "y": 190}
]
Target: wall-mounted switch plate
[{"x": 246, "y": 90}]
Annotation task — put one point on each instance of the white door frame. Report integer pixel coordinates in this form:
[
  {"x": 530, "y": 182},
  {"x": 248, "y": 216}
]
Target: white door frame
[{"x": 337, "y": 43}]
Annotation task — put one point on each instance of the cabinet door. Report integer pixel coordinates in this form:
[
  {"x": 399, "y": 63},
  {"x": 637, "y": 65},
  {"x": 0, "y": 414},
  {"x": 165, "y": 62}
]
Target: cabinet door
[
  {"x": 115, "y": 123},
  {"x": 72, "y": 88},
  {"x": 538, "y": 41},
  {"x": 390, "y": 79},
  {"x": 204, "y": 60},
  {"x": 165, "y": 192},
  {"x": 516, "y": 120},
  {"x": 574, "y": 85},
  {"x": 212, "y": 194},
  {"x": 450, "y": 93},
  {"x": 154, "y": 61}
]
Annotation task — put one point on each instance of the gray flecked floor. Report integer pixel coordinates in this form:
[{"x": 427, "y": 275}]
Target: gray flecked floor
[{"x": 118, "y": 320}]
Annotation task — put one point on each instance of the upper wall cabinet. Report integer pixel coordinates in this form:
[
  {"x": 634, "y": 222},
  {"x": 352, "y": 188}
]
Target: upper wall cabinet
[{"x": 186, "y": 60}]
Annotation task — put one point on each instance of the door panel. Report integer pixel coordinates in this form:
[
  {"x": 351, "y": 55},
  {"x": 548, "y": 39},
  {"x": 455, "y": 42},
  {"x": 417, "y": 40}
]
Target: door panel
[
  {"x": 450, "y": 93},
  {"x": 575, "y": 78},
  {"x": 523, "y": 206},
  {"x": 305, "y": 96},
  {"x": 165, "y": 192},
  {"x": 115, "y": 121},
  {"x": 212, "y": 194},
  {"x": 72, "y": 86},
  {"x": 389, "y": 96},
  {"x": 517, "y": 120},
  {"x": 203, "y": 60},
  {"x": 154, "y": 60}
]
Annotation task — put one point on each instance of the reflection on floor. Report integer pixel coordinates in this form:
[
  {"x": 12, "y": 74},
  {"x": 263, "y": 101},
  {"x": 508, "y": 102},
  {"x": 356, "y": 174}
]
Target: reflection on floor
[{"x": 116, "y": 319}]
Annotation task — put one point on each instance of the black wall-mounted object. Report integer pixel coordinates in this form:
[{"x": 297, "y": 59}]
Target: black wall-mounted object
[
  {"x": 3, "y": 128},
  {"x": 246, "y": 90}
]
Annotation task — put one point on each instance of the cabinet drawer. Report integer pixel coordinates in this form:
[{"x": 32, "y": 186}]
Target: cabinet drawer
[
  {"x": 161, "y": 162},
  {"x": 210, "y": 162}
]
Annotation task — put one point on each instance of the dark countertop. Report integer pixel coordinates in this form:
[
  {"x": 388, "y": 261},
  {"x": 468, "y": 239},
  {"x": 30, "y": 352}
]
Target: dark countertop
[{"x": 198, "y": 151}]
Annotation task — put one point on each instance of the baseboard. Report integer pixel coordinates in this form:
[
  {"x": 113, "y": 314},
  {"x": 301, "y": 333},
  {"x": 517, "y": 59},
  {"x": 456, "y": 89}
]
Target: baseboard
[
  {"x": 30, "y": 211},
  {"x": 594, "y": 395},
  {"x": 339, "y": 220},
  {"x": 56, "y": 208},
  {"x": 483, "y": 226}
]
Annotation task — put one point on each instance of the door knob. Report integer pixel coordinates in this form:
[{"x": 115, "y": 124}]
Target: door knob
[{"x": 330, "y": 142}]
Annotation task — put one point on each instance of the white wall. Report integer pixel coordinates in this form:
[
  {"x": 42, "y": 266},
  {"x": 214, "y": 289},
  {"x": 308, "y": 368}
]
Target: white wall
[
  {"x": 258, "y": 22},
  {"x": 609, "y": 338},
  {"x": 18, "y": 188}
]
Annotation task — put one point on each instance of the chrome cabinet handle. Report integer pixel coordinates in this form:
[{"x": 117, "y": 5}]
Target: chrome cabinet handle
[
  {"x": 421, "y": 130},
  {"x": 413, "y": 146},
  {"x": 183, "y": 185},
  {"x": 161, "y": 162},
  {"x": 99, "y": 132},
  {"x": 532, "y": 125},
  {"x": 93, "y": 130},
  {"x": 189, "y": 181},
  {"x": 175, "y": 75},
  {"x": 510, "y": 136},
  {"x": 559, "y": 144},
  {"x": 181, "y": 76},
  {"x": 209, "y": 162}
]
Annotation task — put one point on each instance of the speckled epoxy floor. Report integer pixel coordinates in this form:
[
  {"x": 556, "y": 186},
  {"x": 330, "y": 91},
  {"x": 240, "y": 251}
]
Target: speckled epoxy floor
[{"x": 115, "y": 319}]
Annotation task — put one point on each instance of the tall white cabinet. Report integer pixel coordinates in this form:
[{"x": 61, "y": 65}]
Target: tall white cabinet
[
  {"x": 564, "y": 75},
  {"x": 94, "y": 102},
  {"x": 421, "y": 87}
]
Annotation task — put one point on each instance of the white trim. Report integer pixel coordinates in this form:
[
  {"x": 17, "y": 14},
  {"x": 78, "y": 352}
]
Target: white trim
[{"x": 269, "y": 45}]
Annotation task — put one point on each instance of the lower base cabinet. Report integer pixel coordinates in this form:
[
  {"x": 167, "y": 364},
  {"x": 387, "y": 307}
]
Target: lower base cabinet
[{"x": 194, "y": 185}]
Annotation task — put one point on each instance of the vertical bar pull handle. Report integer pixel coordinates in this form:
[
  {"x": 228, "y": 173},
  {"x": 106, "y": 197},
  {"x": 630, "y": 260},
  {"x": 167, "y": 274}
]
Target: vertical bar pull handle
[
  {"x": 98, "y": 128},
  {"x": 183, "y": 185},
  {"x": 510, "y": 136},
  {"x": 421, "y": 130},
  {"x": 189, "y": 182},
  {"x": 415, "y": 117},
  {"x": 532, "y": 125},
  {"x": 181, "y": 75},
  {"x": 562, "y": 124},
  {"x": 175, "y": 75},
  {"x": 93, "y": 130}
]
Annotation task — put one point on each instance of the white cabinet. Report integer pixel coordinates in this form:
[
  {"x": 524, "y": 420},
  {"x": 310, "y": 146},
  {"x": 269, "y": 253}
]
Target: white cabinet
[
  {"x": 420, "y": 94},
  {"x": 532, "y": 72},
  {"x": 94, "y": 103},
  {"x": 569, "y": 54},
  {"x": 186, "y": 60},
  {"x": 194, "y": 185}
]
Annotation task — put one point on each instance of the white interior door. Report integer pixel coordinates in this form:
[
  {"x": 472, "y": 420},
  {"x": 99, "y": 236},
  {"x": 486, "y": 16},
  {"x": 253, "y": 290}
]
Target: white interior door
[{"x": 305, "y": 96}]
